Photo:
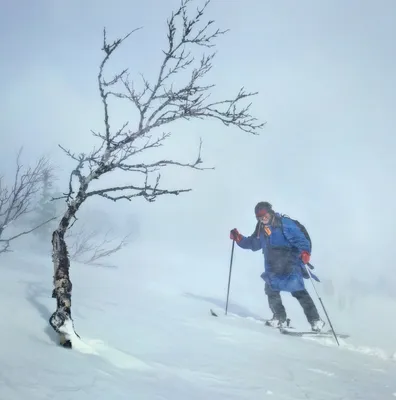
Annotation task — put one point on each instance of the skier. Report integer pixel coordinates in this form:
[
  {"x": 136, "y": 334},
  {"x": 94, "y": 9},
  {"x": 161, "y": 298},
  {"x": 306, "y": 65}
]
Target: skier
[{"x": 286, "y": 249}]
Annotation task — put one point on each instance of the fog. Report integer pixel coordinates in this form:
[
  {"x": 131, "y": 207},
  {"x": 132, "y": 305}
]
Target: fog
[{"x": 324, "y": 72}]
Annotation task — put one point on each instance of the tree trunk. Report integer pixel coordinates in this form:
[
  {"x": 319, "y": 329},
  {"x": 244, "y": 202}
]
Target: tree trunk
[{"x": 62, "y": 291}]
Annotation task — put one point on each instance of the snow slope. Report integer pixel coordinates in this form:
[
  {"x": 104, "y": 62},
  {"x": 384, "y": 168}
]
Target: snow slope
[{"x": 145, "y": 337}]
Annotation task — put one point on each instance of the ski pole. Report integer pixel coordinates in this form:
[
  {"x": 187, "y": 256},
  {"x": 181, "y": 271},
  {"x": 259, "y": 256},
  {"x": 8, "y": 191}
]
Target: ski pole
[
  {"x": 229, "y": 275},
  {"x": 321, "y": 302}
]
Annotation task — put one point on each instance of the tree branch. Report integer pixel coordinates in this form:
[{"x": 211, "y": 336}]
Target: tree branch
[
  {"x": 109, "y": 49},
  {"x": 87, "y": 249},
  {"x": 6, "y": 242},
  {"x": 150, "y": 193},
  {"x": 20, "y": 197}
]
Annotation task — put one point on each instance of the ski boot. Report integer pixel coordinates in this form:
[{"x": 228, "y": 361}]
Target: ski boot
[
  {"x": 317, "y": 325},
  {"x": 278, "y": 323}
]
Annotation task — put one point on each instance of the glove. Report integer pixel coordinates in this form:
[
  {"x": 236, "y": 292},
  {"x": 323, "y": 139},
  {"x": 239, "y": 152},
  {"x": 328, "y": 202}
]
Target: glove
[
  {"x": 235, "y": 235},
  {"x": 305, "y": 257}
]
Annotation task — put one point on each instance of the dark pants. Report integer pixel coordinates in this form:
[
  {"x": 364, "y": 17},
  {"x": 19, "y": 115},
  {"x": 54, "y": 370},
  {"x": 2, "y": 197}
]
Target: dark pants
[{"x": 305, "y": 300}]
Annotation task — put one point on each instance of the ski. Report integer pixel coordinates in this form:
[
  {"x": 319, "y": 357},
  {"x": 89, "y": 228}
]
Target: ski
[
  {"x": 218, "y": 313},
  {"x": 329, "y": 333},
  {"x": 264, "y": 321},
  {"x": 213, "y": 313},
  {"x": 290, "y": 330}
]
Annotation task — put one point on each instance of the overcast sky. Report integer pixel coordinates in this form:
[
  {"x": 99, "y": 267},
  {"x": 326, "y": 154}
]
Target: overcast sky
[{"x": 325, "y": 73}]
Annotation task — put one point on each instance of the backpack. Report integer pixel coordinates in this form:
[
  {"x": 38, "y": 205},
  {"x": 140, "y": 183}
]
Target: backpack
[{"x": 300, "y": 225}]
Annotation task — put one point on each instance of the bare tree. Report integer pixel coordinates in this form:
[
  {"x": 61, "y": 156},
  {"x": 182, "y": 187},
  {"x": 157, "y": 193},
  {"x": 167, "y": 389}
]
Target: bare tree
[
  {"x": 86, "y": 248},
  {"x": 157, "y": 104},
  {"x": 20, "y": 198}
]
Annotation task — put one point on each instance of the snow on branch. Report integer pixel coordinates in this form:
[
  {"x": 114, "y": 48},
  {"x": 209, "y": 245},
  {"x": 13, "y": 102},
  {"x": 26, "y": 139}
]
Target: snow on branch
[{"x": 19, "y": 198}]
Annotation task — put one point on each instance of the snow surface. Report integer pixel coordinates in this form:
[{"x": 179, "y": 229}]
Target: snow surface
[{"x": 147, "y": 333}]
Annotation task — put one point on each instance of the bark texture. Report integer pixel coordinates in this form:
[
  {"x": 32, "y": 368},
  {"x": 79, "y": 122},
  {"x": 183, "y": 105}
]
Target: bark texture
[{"x": 62, "y": 291}]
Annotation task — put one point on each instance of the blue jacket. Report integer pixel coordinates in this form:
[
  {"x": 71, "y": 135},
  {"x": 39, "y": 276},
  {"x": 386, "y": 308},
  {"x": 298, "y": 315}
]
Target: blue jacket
[{"x": 283, "y": 267}]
